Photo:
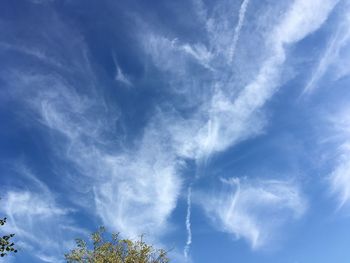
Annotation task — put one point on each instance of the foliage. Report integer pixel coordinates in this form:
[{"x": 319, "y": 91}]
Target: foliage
[
  {"x": 115, "y": 250},
  {"x": 6, "y": 245}
]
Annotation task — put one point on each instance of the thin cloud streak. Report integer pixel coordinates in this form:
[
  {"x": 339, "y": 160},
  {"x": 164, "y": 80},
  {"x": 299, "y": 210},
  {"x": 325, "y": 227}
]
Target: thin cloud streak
[
  {"x": 188, "y": 224},
  {"x": 339, "y": 178},
  {"x": 332, "y": 55},
  {"x": 120, "y": 76},
  {"x": 241, "y": 16}
]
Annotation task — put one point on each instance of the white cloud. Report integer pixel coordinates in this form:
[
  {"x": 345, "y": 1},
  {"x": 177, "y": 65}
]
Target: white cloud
[
  {"x": 255, "y": 210},
  {"x": 33, "y": 52},
  {"x": 136, "y": 188},
  {"x": 302, "y": 18},
  {"x": 188, "y": 224},
  {"x": 335, "y": 55},
  {"x": 143, "y": 180},
  {"x": 132, "y": 189},
  {"x": 35, "y": 221},
  {"x": 26, "y": 203},
  {"x": 124, "y": 181},
  {"x": 39, "y": 223},
  {"x": 339, "y": 178},
  {"x": 119, "y": 75},
  {"x": 226, "y": 113},
  {"x": 241, "y": 15},
  {"x": 199, "y": 53}
]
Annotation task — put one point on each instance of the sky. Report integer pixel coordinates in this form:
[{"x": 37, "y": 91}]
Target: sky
[{"x": 219, "y": 129}]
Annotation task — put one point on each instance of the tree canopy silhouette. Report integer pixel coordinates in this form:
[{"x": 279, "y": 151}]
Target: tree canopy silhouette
[
  {"x": 115, "y": 250},
  {"x": 6, "y": 245}
]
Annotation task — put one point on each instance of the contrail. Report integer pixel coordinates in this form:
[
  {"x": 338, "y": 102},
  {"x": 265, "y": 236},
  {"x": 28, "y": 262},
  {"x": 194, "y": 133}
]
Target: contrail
[
  {"x": 238, "y": 28},
  {"x": 188, "y": 224}
]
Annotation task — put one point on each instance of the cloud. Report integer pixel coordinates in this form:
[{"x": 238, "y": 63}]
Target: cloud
[
  {"x": 227, "y": 113},
  {"x": 120, "y": 76},
  {"x": 36, "y": 53},
  {"x": 100, "y": 173},
  {"x": 339, "y": 178},
  {"x": 188, "y": 225},
  {"x": 39, "y": 223},
  {"x": 134, "y": 186},
  {"x": 241, "y": 15},
  {"x": 253, "y": 210},
  {"x": 302, "y": 18},
  {"x": 144, "y": 180},
  {"x": 199, "y": 52},
  {"x": 335, "y": 55},
  {"x": 123, "y": 182}
]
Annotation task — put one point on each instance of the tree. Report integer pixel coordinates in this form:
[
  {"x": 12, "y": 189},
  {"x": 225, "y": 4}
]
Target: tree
[
  {"x": 6, "y": 246},
  {"x": 115, "y": 250}
]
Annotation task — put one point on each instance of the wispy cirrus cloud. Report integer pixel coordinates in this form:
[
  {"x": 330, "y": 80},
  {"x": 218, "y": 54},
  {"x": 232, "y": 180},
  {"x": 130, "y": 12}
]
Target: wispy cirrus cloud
[
  {"x": 119, "y": 75},
  {"x": 210, "y": 108},
  {"x": 254, "y": 210},
  {"x": 340, "y": 180},
  {"x": 39, "y": 222},
  {"x": 335, "y": 55},
  {"x": 227, "y": 111},
  {"x": 123, "y": 181},
  {"x": 339, "y": 177},
  {"x": 100, "y": 174}
]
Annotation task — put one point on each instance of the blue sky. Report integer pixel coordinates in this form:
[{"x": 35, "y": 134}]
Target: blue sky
[{"x": 219, "y": 129}]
